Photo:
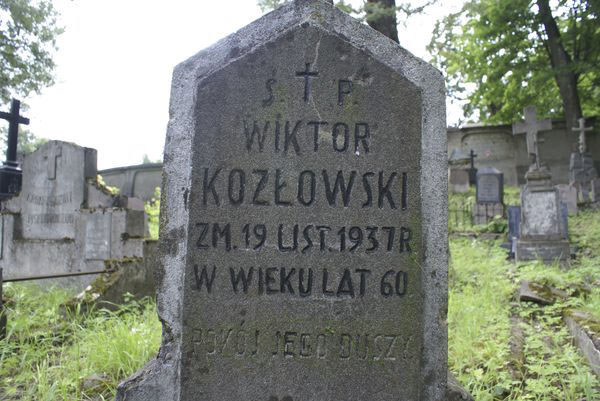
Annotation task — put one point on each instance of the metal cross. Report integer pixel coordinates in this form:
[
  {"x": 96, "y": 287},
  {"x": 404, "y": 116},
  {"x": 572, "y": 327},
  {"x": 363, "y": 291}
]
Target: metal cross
[
  {"x": 472, "y": 155},
  {"x": 307, "y": 74},
  {"x": 14, "y": 119},
  {"x": 53, "y": 162},
  {"x": 582, "y": 130},
  {"x": 531, "y": 127}
]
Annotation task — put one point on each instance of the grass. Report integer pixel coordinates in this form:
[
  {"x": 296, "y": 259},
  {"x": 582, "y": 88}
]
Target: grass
[
  {"x": 482, "y": 304},
  {"x": 47, "y": 356}
]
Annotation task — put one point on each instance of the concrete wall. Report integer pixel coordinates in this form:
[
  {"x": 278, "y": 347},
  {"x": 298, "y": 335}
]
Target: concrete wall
[
  {"x": 139, "y": 181},
  {"x": 497, "y": 147}
]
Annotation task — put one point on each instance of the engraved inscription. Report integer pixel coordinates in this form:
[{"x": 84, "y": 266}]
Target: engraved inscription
[{"x": 289, "y": 344}]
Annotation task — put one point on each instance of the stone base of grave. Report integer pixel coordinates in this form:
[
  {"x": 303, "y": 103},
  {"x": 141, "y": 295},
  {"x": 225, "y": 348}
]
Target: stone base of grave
[
  {"x": 584, "y": 337},
  {"x": 133, "y": 278},
  {"x": 483, "y": 213},
  {"x": 547, "y": 251}
]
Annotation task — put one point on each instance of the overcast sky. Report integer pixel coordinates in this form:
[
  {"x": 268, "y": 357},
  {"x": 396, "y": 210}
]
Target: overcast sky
[{"x": 114, "y": 67}]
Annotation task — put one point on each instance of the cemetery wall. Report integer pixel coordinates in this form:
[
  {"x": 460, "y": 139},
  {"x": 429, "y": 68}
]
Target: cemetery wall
[
  {"x": 139, "y": 181},
  {"x": 496, "y": 146}
]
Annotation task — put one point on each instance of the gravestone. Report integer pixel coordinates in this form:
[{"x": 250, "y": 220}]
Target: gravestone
[
  {"x": 582, "y": 172},
  {"x": 304, "y": 257},
  {"x": 64, "y": 221},
  {"x": 514, "y": 231},
  {"x": 541, "y": 228},
  {"x": 489, "y": 195},
  {"x": 542, "y": 220},
  {"x": 458, "y": 171},
  {"x": 568, "y": 196}
]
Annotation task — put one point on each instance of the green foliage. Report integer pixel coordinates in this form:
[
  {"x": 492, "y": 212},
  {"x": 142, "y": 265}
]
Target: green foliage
[
  {"x": 146, "y": 160},
  {"x": 78, "y": 357},
  {"x": 153, "y": 212},
  {"x": 28, "y": 37},
  {"x": 103, "y": 185},
  {"x": 368, "y": 11},
  {"x": 461, "y": 204},
  {"x": 482, "y": 284},
  {"x": 494, "y": 57},
  {"x": 27, "y": 142}
]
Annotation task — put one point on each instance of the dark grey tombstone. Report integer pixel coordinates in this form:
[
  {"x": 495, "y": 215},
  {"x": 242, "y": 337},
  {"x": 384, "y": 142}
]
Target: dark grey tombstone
[
  {"x": 490, "y": 185},
  {"x": 303, "y": 253}
]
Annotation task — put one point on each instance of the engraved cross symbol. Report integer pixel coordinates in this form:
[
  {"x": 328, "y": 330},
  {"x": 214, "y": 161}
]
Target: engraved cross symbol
[
  {"x": 307, "y": 74},
  {"x": 53, "y": 162},
  {"x": 582, "y": 130},
  {"x": 531, "y": 127}
]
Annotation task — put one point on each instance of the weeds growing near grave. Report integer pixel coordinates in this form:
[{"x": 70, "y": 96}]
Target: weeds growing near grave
[
  {"x": 484, "y": 315},
  {"x": 47, "y": 356},
  {"x": 153, "y": 212}
]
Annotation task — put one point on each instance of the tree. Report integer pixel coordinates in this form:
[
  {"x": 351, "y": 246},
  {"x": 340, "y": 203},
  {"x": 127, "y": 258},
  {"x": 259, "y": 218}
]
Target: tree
[
  {"x": 27, "y": 142},
  {"x": 28, "y": 34},
  {"x": 379, "y": 14},
  {"x": 501, "y": 56}
]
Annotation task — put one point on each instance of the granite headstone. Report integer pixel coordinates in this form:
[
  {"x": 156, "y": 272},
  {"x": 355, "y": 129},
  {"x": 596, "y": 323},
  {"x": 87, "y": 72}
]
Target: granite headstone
[
  {"x": 304, "y": 237},
  {"x": 490, "y": 185},
  {"x": 489, "y": 195}
]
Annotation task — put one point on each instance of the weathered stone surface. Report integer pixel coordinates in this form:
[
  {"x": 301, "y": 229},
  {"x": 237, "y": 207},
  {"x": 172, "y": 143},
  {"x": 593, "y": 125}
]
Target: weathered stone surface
[
  {"x": 64, "y": 220},
  {"x": 533, "y": 292},
  {"x": 272, "y": 212},
  {"x": 568, "y": 196},
  {"x": 132, "y": 277},
  {"x": 542, "y": 227},
  {"x": 483, "y": 213},
  {"x": 490, "y": 186},
  {"x": 459, "y": 180},
  {"x": 50, "y": 201},
  {"x": 585, "y": 330}
]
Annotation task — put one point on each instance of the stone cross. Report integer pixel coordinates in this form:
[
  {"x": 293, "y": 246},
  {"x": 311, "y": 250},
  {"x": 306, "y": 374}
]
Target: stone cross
[
  {"x": 531, "y": 126},
  {"x": 14, "y": 119},
  {"x": 582, "y": 129}
]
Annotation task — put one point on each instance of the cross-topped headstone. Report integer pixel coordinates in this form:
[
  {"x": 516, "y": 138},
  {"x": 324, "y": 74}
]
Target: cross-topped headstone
[
  {"x": 14, "y": 119},
  {"x": 582, "y": 129},
  {"x": 531, "y": 126}
]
